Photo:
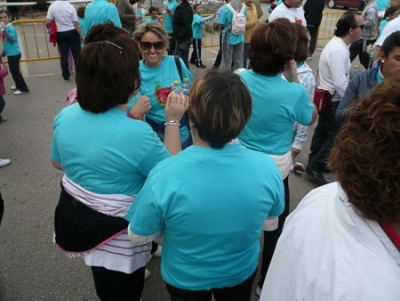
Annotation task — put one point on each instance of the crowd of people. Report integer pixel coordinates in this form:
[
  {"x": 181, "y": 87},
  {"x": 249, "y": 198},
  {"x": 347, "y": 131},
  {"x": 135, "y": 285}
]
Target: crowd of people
[{"x": 206, "y": 174}]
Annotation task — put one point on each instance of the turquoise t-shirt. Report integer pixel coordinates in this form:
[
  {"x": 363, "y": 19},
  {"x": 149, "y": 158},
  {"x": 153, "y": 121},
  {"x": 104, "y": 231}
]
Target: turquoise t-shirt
[
  {"x": 197, "y": 25},
  {"x": 99, "y": 12},
  {"x": 151, "y": 20},
  {"x": 156, "y": 84},
  {"x": 11, "y": 49},
  {"x": 226, "y": 19},
  {"x": 277, "y": 104},
  {"x": 105, "y": 153},
  {"x": 211, "y": 205},
  {"x": 172, "y": 5}
]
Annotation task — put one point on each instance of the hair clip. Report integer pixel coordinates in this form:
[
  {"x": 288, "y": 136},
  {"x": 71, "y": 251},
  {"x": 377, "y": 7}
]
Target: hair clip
[{"x": 115, "y": 45}]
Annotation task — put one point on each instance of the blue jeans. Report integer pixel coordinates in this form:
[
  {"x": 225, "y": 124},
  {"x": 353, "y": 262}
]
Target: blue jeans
[
  {"x": 183, "y": 54},
  {"x": 246, "y": 46},
  {"x": 313, "y": 29},
  {"x": 65, "y": 41},
  {"x": 323, "y": 139},
  {"x": 2, "y": 104},
  {"x": 13, "y": 64}
]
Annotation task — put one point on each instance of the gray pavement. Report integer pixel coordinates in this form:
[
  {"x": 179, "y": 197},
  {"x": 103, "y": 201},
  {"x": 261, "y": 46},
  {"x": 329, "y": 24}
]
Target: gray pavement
[{"x": 31, "y": 266}]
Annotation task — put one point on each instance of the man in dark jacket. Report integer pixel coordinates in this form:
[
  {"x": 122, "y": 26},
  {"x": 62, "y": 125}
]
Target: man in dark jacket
[
  {"x": 313, "y": 13},
  {"x": 182, "y": 30}
]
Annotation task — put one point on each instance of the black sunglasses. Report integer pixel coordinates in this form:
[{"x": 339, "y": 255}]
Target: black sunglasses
[
  {"x": 157, "y": 45},
  {"x": 361, "y": 26}
]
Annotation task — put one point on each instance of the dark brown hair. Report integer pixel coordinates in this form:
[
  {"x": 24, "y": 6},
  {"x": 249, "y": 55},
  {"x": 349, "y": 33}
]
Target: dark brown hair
[
  {"x": 272, "y": 45},
  {"x": 220, "y": 106},
  {"x": 301, "y": 53},
  {"x": 103, "y": 32},
  {"x": 345, "y": 22},
  {"x": 107, "y": 73},
  {"x": 366, "y": 154},
  {"x": 80, "y": 11}
]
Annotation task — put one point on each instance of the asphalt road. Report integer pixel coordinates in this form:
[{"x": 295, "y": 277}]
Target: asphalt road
[{"x": 31, "y": 267}]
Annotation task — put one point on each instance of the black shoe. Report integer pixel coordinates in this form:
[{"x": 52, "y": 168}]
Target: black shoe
[
  {"x": 317, "y": 176},
  {"x": 201, "y": 66},
  {"x": 192, "y": 62}
]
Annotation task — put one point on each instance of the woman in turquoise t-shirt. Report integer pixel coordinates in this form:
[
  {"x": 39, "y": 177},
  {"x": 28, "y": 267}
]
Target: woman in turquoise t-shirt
[
  {"x": 277, "y": 104},
  {"x": 211, "y": 200},
  {"x": 158, "y": 71},
  {"x": 106, "y": 157}
]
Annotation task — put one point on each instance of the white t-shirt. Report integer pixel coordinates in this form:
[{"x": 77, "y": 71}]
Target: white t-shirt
[
  {"x": 389, "y": 28},
  {"x": 334, "y": 66},
  {"x": 327, "y": 251},
  {"x": 292, "y": 14},
  {"x": 64, "y": 14}
]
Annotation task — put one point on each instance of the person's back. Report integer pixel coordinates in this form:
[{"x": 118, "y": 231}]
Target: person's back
[
  {"x": 221, "y": 217},
  {"x": 101, "y": 12}
]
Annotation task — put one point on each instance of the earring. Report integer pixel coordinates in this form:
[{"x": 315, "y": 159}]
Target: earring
[{"x": 382, "y": 61}]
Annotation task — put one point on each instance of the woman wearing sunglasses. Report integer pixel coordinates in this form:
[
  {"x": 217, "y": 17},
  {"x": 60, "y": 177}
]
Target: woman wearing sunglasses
[{"x": 158, "y": 71}]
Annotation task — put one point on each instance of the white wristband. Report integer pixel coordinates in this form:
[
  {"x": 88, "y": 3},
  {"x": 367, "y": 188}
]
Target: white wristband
[{"x": 172, "y": 122}]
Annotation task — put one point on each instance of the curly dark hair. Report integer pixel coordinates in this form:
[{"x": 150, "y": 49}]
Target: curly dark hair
[{"x": 366, "y": 154}]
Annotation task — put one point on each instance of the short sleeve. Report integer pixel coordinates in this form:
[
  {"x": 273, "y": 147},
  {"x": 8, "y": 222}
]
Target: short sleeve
[
  {"x": 304, "y": 109},
  {"x": 145, "y": 215}
]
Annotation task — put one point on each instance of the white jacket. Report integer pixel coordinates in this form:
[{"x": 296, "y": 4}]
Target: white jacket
[{"x": 327, "y": 251}]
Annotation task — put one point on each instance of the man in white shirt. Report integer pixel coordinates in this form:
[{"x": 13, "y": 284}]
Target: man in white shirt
[
  {"x": 291, "y": 10},
  {"x": 334, "y": 67}
]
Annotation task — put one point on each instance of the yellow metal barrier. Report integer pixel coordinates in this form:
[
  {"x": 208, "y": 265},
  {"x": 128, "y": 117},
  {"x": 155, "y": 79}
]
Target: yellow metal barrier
[
  {"x": 34, "y": 42},
  {"x": 210, "y": 33},
  {"x": 328, "y": 25}
]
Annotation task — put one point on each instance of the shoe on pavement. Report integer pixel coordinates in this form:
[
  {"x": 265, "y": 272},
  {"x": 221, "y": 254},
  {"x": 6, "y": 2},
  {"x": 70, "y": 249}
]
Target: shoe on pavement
[
  {"x": 201, "y": 66},
  {"x": 317, "y": 176},
  {"x": 3, "y": 119},
  {"x": 157, "y": 253},
  {"x": 18, "y": 92},
  {"x": 4, "y": 162},
  {"x": 193, "y": 62},
  {"x": 147, "y": 274},
  {"x": 13, "y": 87},
  {"x": 258, "y": 291}
]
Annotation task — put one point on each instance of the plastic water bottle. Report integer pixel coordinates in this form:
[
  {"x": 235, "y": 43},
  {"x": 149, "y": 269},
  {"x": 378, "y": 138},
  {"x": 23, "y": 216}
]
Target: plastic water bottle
[
  {"x": 185, "y": 86},
  {"x": 355, "y": 70},
  {"x": 176, "y": 86}
]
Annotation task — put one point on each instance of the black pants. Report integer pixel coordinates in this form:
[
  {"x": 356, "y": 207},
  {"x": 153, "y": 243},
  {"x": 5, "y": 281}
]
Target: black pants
[
  {"x": 113, "y": 285},
  {"x": 360, "y": 48},
  {"x": 323, "y": 139},
  {"x": 172, "y": 44},
  {"x": 65, "y": 41},
  {"x": 240, "y": 292},
  {"x": 196, "y": 54},
  {"x": 313, "y": 29},
  {"x": 271, "y": 237},
  {"x": 218, "y": 59},
  {"x": 13, "y": 64}
]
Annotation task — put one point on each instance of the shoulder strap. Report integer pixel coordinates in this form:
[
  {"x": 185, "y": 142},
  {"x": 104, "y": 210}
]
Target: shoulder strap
[
  {"x": 178, "y": 66},
  {"x": 231, "y": 8}
]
